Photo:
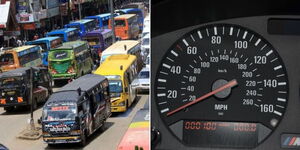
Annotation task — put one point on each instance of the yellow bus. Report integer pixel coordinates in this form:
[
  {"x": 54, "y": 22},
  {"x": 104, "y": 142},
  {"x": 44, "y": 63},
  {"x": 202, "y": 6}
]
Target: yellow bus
[
  {"x": 120, "y": 71},
  {"x": 132, "y": 47},
  {"x": 24, "y": 56}
]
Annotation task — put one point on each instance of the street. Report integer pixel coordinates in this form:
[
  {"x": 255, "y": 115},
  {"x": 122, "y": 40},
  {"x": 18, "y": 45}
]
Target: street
[{"x": 13, "y": 123}]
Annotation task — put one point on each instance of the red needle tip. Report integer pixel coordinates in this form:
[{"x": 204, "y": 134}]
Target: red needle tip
[{"x": 230, "y": 84}]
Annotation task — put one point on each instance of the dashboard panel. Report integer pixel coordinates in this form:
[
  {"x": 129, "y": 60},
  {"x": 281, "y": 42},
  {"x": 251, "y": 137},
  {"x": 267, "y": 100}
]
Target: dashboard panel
[{"x": 227, "y": 84}]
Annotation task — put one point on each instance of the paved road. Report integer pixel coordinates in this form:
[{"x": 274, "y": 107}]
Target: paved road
[{"x": 11, "y": 124}]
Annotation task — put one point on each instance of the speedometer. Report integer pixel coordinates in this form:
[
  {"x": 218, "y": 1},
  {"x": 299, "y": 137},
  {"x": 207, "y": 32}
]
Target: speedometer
[{"x": 221, "y": 85}]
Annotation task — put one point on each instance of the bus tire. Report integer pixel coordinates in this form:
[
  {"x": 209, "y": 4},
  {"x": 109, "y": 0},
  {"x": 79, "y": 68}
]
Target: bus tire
[
  {"x": 35, "y": 103},
  {"x": 83, "y": 139},
  {"x": 127, "y": 104},
  {"x": 8, "y": 108}
]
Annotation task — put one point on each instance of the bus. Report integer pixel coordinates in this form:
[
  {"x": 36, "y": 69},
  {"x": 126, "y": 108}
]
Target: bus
[
  {"x": 98, "y": 40},
  {"x": 17, "y": 85},
  {"x": 76, "y": 111},
  {"x": 136, "y": 11},
  {"x": 126, "y": 26},
  {"x": 132, "y": 47},
  {"x": 83, "y": 25},
  {"x": 139, "y": 126},
  {"x": 67, "y": 34},
  {"x": 120, "y": 70},
  {"x": 46, "y": 44},
  {"x": 70, "y": 61},
  {"x": 101, "y": 20},
  {"x": 24, "y": 56}
]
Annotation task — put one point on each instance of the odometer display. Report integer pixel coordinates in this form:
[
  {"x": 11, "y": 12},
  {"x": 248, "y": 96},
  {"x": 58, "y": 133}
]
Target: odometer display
[
  {"x": 222, "y": 73},
  {"x": 220, "y": 134}
]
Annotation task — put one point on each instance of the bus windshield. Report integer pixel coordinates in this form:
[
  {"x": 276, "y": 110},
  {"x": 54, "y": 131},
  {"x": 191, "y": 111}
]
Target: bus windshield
[
  {"x": 8, "y": 83},
  {"x": 59, "y": 113},
  {"x": 93, "y": 41},
  {"x": 120, "y": 23},
  {"x": 115, "y": 86},
  {"x": 6, "y": 59}
]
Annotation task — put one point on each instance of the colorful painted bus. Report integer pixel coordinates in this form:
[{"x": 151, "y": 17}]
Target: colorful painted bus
[
  {"x": 101, "y": 20},
  {"x": 120, "y": 70},
  {"x": 139, "y": 127},
  {"x": 83, "y": 25},
  {"x": 98, "y": 40},
  {"x": 136, "y": 11},
  {"x": 126, "y": 26},
  {"x": 76, "y": 111},
  {"x": 24, "y": 56},
  {"x": 70, "y": 61},
  {"x": 132, "y": 47},
  {"x": 46, "y": 44},
  {"x": 66, "y": 34}
]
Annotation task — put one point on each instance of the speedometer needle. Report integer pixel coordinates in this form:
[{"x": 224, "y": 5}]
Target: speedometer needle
[{"x": 230, "y": 84}]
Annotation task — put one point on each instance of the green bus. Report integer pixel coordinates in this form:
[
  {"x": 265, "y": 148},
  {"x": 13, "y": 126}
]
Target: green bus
[{"x": 70, "y": 61}]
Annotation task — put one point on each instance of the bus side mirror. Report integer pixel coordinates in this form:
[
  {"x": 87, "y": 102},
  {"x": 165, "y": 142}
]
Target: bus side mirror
[
  {"x": 126, "y": 89},
  {"x": 77, "y": 119}
]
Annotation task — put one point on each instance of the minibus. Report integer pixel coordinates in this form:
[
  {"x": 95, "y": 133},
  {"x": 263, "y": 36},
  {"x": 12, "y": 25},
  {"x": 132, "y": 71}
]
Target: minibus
[{"x": 120, "y": 70}]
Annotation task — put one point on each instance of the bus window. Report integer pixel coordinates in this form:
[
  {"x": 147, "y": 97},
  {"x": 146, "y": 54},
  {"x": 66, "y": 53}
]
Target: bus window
[
  {"x": 93, "y": 41},
  {"x": 43, "y": 46},
  {"x": 55, "y": 43},
  {"x": 6, "y": 59},
  {"x": 73, "y": 36},
  {"x": 120, "y": 23},
  {"x": 29, "y": 57},
  {"x": 105, "y": 22},
  {"x": 108, "y": 40}
]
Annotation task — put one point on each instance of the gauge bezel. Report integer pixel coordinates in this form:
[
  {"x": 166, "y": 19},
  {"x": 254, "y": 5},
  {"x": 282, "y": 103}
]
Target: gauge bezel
[{"x": 209, "y": 26}]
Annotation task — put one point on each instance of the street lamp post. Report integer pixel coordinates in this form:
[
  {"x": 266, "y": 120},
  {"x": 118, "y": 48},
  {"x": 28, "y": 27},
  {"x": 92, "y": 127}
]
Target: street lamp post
[
  {"x": 112, "y": 20},
  {"x": 79, "y": 7}
]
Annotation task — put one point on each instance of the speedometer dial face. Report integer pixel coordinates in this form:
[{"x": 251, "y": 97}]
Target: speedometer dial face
[{"x": 221, "y": 85}]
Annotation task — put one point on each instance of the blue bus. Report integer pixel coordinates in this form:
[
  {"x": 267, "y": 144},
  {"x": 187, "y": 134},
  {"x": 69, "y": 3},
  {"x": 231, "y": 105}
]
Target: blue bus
[
  {"x": 101, "y": 20},
  {"x": 46, "y": 44},
  {"x": 83, "y": 25},
  {"x": 136, "y": 11},
  {"x": 66, "y": 34}
]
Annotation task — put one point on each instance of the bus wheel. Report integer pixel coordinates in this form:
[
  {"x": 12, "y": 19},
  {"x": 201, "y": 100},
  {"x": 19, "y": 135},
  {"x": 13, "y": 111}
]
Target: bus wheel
[
  {"x": 8, "y": 109},
  {"x": 83, "y": 139},
  {"x": 34, "y": 104},
  {"x": 127, "y": 104}
]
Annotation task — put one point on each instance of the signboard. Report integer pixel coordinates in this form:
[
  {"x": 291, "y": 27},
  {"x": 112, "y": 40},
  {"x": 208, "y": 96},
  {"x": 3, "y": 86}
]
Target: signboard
[
  {"x": 25, "y": 18},
  {"x": 29, "y": 26}
]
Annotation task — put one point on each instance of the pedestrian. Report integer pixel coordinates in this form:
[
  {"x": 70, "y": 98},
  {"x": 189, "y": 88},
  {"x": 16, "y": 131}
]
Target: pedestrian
[
  {"x": 19, "y": 42},
  {"x": 35, "y": 37}
]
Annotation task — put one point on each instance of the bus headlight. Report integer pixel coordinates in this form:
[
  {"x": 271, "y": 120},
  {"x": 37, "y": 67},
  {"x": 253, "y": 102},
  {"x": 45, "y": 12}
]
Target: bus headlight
[
  {"x": 75, "y": 132},
  {"x": 122, "y": 103},
  {"x": 53, "y": 71},
  {"x": 70, "y": 70}
]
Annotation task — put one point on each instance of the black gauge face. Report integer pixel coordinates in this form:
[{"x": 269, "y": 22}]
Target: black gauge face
[{"x": 221, "y": 85}]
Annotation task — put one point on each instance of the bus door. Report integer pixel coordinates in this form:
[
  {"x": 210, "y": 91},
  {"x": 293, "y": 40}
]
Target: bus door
[
  {"x": 95, "y": 110},
  {"x": 131, "y": 92}
]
